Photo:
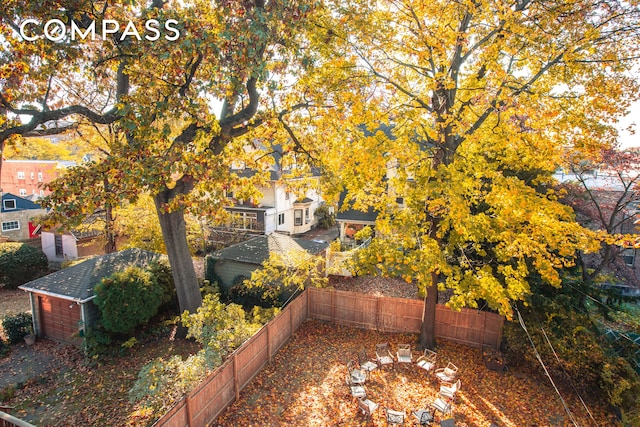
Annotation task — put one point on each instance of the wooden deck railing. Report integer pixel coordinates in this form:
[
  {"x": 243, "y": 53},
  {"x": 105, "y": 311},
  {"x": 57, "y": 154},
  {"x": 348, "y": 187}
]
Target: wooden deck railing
[{"x": 7, "y": 420}]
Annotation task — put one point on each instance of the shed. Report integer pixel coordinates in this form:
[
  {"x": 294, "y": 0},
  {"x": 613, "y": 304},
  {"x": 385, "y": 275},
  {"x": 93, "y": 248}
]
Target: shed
[
  {"x": 61, "y": 302},
  {"x": 242, "y": 259}
]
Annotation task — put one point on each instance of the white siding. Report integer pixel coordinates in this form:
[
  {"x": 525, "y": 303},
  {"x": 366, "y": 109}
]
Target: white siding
[
  {"x": 48, "y": 245},
  {"x": 69, "y": 246}
]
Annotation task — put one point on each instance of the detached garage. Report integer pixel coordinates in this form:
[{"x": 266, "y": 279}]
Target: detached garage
[{"x": 61, "y": 302}]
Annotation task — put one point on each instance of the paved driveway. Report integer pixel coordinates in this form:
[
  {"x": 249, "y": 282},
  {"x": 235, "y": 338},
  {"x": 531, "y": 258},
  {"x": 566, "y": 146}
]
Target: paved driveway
[{"x": 25, "y": 363}]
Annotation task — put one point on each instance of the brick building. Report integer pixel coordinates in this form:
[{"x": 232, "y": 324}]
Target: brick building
[{"x": 26, "y": 178}]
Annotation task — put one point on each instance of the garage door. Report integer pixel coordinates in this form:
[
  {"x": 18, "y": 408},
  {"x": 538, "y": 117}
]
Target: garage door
[{"x": 59, "y": 318}]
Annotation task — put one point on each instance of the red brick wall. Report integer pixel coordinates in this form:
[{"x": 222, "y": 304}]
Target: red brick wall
[{"x": 10, "y": 183}]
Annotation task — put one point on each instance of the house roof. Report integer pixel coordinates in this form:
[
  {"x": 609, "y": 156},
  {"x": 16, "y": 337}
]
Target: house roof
[
  {"x": 244, "y": 206},
  {"x": 92, "y": 226},
  {"x": 276, "y": 171},
  {"x": 353, "y": 214},
  {"x": 258, "y": 249},
  {"x": 21, "y": 203},
  {"x": 76, "y": 283},
  {"x": 304, "y": 201}
]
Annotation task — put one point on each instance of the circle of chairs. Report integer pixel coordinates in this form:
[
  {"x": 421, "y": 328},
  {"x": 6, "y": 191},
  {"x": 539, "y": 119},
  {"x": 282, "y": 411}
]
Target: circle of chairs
[{"x": 359, "y": 371}]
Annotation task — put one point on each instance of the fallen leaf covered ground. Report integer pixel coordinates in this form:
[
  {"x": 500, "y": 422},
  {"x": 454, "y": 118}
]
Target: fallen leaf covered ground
[
  {"x": 304, "y": 385},
  {"x": 12, "y": 302},
  {"x": 80, "y": 392}
]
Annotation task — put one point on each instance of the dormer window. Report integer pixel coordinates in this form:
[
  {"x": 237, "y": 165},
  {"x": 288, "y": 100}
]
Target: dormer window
[{"x": 9, "y": 204}]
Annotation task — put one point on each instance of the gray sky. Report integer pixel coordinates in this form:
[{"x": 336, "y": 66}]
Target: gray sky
[{"x": 626, "y": 139}]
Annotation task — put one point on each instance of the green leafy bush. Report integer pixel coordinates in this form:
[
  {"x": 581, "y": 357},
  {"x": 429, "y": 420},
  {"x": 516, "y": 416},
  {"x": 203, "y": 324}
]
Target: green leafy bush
[
  {"x": 219, "y": 328},
  {"x": 249, "y": 296},
  {"x": 128, "y": 299},
  {"x": 97, "y": 340},
  {"x": 262, "y": 315},
  {"x": 325, "y": 218},
  {"x": 207, "y": 287},
  {"x": 584, "y": 358},
  {"x": 161, "y": 273},
  {"x": 162, "y": 382},
  {"x": 16, "y": 327},
  {"x": 209, "y": 273},
  {"x": 20, "y": 263},
  {"x": 4, "y": 348}
]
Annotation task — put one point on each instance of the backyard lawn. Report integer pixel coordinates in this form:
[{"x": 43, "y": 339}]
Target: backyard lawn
[{"x": 305, "y": 386}]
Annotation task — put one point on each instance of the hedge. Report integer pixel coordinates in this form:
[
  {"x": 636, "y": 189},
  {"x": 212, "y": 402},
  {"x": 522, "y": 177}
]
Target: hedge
[{"x": 20, "y": 263}]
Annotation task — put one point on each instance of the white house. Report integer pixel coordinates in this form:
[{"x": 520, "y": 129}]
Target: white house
[{"x": 280, "y": 209}]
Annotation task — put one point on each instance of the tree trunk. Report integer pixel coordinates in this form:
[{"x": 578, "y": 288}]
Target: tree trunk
[
  {"x": 442, "y": 156},
  {"x": 110, "y": 245},
  {"x": 174, "y": 234},
  {"x": 428, "y": 328}
]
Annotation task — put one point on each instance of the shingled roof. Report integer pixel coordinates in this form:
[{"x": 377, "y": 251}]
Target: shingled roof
[
  {"x": 76, "y": 283},
  {"x": 351, "y": 214},
  {"x": 258, "y": 249}
]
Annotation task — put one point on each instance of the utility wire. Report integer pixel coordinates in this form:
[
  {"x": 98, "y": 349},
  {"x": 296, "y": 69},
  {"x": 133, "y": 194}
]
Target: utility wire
[
  {"x": 565, "y": 372},
  {"x": 546, "y": 371},
  {"x": 553, "y": 350}
]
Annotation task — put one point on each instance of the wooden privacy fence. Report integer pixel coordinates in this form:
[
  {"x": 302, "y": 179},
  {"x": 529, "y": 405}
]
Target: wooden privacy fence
[
  {"x": 471, "y": 327},
  {"x": 202, "y": 405}
]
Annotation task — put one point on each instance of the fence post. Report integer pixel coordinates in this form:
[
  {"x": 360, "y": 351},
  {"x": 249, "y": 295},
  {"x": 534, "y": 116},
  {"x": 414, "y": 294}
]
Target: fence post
[
  {"x": 306, "y": 301},
  {"x": 290, "y": 320},
  {"x": 187, "y": 406},
  {"x": 269, "y": 346},
  {"x": 333, "y": 305},
  {"x": 236, "y": 383},
  {"x": 500, "y": 332},
  {"x": 484, "y": 331}
]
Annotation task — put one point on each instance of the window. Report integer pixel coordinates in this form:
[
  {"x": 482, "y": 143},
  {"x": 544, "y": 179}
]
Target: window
[
  {"x": 245, "y": 220},
  {"x": 57, "y": 241},
  {"x": 307, "y": 218},
  {"x": 42, "y": 192},
  {"x": 629, "y": 256},
  {"x": 400, "y": 200},
  {"x": 281, "y": 219},
  {"x": 23, "y": 192},
  {"x": 10, "y": 225},
  {"x": 286, "y": 195},
  {"x": 40, "y": 177},
  {"x": 33, "y": 175},
  {"x": 9, "y": 204},
  {"x": 297, "y": 217},
  {"x": 20, "y": 175}
]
